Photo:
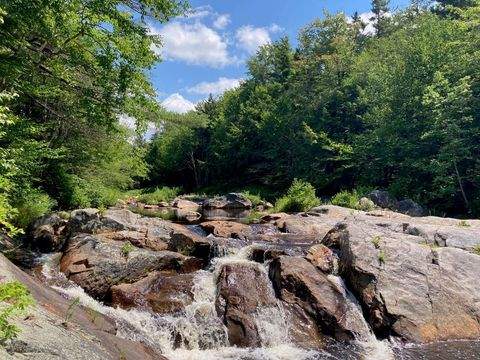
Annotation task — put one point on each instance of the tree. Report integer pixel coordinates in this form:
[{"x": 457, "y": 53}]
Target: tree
[{"x": 380, "y": 10}]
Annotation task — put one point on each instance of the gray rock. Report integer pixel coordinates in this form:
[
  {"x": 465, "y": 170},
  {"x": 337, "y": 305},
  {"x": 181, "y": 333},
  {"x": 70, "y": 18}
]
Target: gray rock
[
  {"x": 407, "y": 288},
  {"x": 382, "y": 198},
  {"x": 230, "y": 201},
  {"x": 409, "y": 207},
  {"x": 49, "y": 233}
]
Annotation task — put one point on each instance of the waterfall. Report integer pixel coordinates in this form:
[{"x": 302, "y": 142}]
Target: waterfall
[{"x": 197, "y": 333}]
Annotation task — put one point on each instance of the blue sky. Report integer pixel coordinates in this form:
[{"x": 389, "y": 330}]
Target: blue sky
[{"x": 206, "y": 52}]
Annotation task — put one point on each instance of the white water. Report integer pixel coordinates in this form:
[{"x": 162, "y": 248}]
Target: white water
[{"x": 198, "y": 334}]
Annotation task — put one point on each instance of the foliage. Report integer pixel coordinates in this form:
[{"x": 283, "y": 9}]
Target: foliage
[
  {"x": 376, "y": 241},
  {"x": 476, "y": 249},
  {"x": 69, "y": 72},
  {"x": 299, "y": 197},
  {"x": 15, "y": 299},
  {"x": 348, "y": 199},
  {"x": 71, "y": 310},
  {"x": 163, "y": 194},
  {"x": 127, "y": 248},
  {"x": 256, "y": 199}
]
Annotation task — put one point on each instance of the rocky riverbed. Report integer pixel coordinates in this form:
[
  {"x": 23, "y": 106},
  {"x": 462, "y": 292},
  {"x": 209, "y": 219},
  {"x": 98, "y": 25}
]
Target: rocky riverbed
[{"x": 331, "y": 283}]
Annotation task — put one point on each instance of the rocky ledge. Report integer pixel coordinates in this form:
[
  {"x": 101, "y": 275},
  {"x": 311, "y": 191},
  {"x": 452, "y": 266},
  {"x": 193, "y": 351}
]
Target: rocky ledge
[{"x": 337, "y": 275}]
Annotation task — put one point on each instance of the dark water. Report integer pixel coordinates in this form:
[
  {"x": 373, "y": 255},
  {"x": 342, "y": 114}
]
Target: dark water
[{"x": 448, "y": 350}]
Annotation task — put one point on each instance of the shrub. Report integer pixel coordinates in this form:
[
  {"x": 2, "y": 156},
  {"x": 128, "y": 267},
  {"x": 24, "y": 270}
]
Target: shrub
[
  {"x": 127, "y": 248},
  {"x": 14, "y": 300},
  {"x": 476, "y": 249},
  {"x": 352, "y": 200},
  {"x": 300, "y": 197},
  {"x": 463, "y": 223},
  {"x": 348, "y": 199},
  {"x": 33, "y": 203},
  {"x": 158, "y": 195},
  {"x": 254, "y": 198}
]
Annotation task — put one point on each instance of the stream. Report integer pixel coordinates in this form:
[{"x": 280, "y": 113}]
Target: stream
[{"x": 197, "y": 333}]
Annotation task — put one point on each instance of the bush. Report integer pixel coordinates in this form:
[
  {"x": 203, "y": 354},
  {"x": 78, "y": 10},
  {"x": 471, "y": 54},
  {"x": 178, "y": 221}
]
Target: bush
[
  {"x": 300, "y": 197},
  {"x": 352, "y": 200},
  {"x": 254, "y": 198},
  {"x": 348, "y": 199},
  {"x": 165, "y": 193},
  {"x": 14, "y": 300},
  {"x": 32, "y": 204}
]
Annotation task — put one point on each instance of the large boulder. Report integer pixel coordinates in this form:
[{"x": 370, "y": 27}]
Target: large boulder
[
  {"x": 163, "y": 292},
  {"x": 186, "y": 204},
  {"x": 322, "y": 258},
  {"x": 243, "y": 289},
  {"x": 409, "y": 207},
  {"x": 382, "y": 199},
  {"x": 49, "y": 233},
  {"x": 230, "y": 201},
  {"x": 408, "y": 288},
  {"x": 227, "y": 229},
  {"x": 323, "y": 298},
  {"x": 96, "y": 264}
]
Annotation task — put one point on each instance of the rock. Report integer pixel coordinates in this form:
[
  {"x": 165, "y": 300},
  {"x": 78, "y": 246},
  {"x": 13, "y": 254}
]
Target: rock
[
  {"x": 227, "y": 229},
  {"x": 49, "y": 233},
  {"x": 43, "y": 336},
  {"x": 144, "y": 240},
  {"x": 188, "y": 243},
  {"x": 97, "y": 264},
  {"x": 409, "y": 207},
  {"x": 163, "y": 292},
  {"x": 230, "y": 201},
  {"x": 314, "y": 228},
  {"x": 382, "y": 199},
  {"x": 323, "y": 298},
  {"x": 186, "y": 204},
  {"x": 321, "y": 257},
  {"x": 407, "y": 288},
  {"x": 188, "y": 216},
  {"x": 243, "y": 289}
]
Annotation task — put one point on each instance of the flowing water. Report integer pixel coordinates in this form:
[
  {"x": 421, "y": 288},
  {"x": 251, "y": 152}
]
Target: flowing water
[{"x": 197, "y": 333}]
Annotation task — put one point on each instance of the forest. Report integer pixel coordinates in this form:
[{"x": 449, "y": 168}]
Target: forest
[{"x": 345, "y": 109}]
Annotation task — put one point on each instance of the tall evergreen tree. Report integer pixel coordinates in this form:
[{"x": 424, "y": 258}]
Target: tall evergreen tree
[{"x": 380, "y": 9}]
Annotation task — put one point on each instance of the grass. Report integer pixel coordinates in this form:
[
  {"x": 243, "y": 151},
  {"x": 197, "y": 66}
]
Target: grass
[
  {"x": 15, "y": 299},
  {"x": 71, "y": 310},
  {"x": 127, "y": 248},
  {"x": 299, "y": 197},
  {"x": 376, "y": 241},
  {"x": 253, "y": 217},
  {"x": 163, "y": 194},
  {"x": 381, "y": 257},
  {"x": 255, "y": 199},
  {"x": 463, "y": 223},
  {"x": 476, "y": 249}
]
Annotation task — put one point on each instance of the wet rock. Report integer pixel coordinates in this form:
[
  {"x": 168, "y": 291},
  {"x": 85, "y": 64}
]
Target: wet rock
[
  {"x": 186, "y": 204},
  {"x": 323, "y": 298},
  {"x": 188, "y": 216},
  {"x": 49, "y": 233},
  {"x": 188, "y": 243},
  {"x": 321, "y": 257},
  {"x": 230, "y": 201},
  {"x": 97, "y": 264},
  {"x": 227, "y": 229},
  {"x": 407, "y": 288},
  {"x": 243, "y": 289},
  {"x": 162, "y": 292}
]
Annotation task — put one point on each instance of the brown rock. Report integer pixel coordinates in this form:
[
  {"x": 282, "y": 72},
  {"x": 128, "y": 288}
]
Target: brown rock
[
  {"x": 321, "y": 257},
  {"x": 227, "y": 229},
  {"x": 323, "y": 298},
  {"x": 162, "y": 292},
  {"x": 243, "y": 289}
]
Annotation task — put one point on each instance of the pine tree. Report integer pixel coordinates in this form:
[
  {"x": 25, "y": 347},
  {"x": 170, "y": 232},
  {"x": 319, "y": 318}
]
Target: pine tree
[{"x": 380, "y": 9}]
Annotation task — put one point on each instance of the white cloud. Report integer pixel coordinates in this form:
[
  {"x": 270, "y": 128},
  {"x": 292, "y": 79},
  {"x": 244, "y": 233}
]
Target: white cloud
[
  {"x": 221, "y": 21},
  {"x": 275, "y": 28},
  {"x": 251, "y": 38},
  {"x": 195, "y": 44},
  {"x": 367, "y": 19},
  {"x": 177, "y": 103},
  {"x": 215, "y": 88},
  {"x": 199, "y": 12}
]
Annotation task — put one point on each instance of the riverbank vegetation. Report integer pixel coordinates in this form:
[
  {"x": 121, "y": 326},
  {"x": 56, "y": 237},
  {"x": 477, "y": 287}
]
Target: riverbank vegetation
[{"x": 396, "y": 106}]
